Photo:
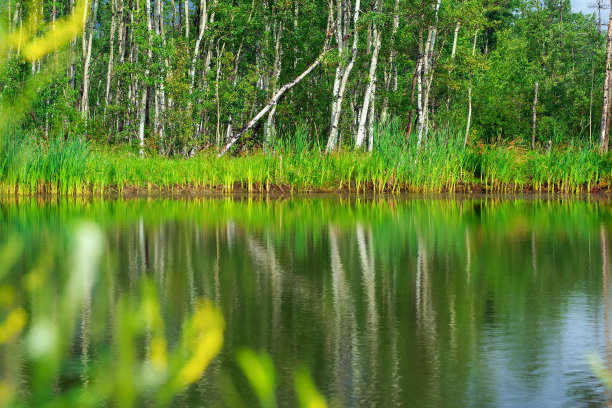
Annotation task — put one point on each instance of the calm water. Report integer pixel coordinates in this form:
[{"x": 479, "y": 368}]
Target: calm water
[{"x": 407, "y": 302}]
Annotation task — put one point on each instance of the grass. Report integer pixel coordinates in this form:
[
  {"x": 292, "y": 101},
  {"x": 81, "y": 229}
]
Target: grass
[{"x": 74, "y": 167}]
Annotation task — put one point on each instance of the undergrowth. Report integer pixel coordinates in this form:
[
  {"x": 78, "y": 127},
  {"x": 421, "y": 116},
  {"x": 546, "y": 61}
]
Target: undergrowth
[{"x": 441, "y": 164}]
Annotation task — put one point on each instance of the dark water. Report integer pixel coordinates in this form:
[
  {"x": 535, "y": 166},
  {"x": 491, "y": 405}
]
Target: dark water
[{"x": 407, "y": 302}]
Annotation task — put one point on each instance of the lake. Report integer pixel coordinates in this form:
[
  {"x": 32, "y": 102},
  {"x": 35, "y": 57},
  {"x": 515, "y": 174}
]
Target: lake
[{"x": 408, "y": 301}]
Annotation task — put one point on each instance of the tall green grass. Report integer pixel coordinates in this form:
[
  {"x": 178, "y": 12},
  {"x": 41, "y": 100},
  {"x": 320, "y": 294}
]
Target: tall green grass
[{"x": 296, "y": 164}]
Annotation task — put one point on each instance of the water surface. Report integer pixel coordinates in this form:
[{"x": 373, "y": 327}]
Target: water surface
[{"x": 390, "y": 302}]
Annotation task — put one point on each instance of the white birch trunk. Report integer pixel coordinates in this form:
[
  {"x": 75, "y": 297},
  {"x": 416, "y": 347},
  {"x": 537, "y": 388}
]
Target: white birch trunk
[
  {"x": 196, "y": 51},
  {"x": 535, "y": 116},
  {"x": 371, "y": 119},
  {"x": 275, "y": 78},
  {"x": 361, "y": 132},
  {"x": 469, "y": 118},
  {"x": 143, "y": 101},
  {"x": 186, "y": 20},
  {"x": 427, "y": 76},
  {"x": 87, "y": 63},
  {"x": 607, "y": 97},
  {"x": 109, "y": 71},
  {"x": 419, "y": 75},
  {"x": 234, "y": 138},
  {"x": 391, "y": 76},
  {"x": 456, "y": 35},
  {"x": 332, "y": 142}
]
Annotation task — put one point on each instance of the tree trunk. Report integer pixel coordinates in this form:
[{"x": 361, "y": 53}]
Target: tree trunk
[
  {"x": 371, "y": 119},
  {"x": 160, "y": 93},
  {"x": 591, "y": 101},
  {"x": 218, "y": 100},
  {"x": 427, "y": 63},
  {"x": 535, "y": 117},
  {"x": 196, "y": 51},
  {"x": 368, "y": 98},
  {"x": 605, "y": 136},
  {"x": 233, "y": 139},
  {"x": 419, "y": 78},
  {"x": 415, "y": 77},
  {"x": 87, "y": 62},
  {"x": 342, "y": 73},
  {"x": 109, "y": 71},
  {"x": 456, "y": 35},
  {"x": 20, "y": 27},
  {"x": 121, "y": 47},
  {"x": 391, "y": 75},
  {"x": 469, "y": 118},
  {"x": 145, "y": 88},
  {"x": 187, "y": 20},
  {"x": 278, "y": 53},
  {"x": 453, "y": 53}
]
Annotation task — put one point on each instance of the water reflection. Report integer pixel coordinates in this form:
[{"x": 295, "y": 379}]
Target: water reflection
[{"x": 481, "y": 302}]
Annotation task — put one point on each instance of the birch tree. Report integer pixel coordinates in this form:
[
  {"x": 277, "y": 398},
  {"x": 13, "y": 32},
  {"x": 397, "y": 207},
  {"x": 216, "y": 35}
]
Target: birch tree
[
  {"x": 469, "y": 117},
  {"x": 276, "y": 68},
  {"x": 196, "y": 50},
  {"x": 144, "y": 87},
  {"x": 391, "y": 71},
  {"x": 607, "y": 97},
  {"x": 87, "y": 46},
  {"x": 344, "y": 31},
  {"x": 111, "y": 54},
  {"x": 370, "y": 94},
  {"x": 425, "y": 73}
]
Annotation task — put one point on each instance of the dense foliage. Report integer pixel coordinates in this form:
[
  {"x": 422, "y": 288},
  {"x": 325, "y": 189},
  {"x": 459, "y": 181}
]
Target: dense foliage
[{"x": 179, "y": 77}]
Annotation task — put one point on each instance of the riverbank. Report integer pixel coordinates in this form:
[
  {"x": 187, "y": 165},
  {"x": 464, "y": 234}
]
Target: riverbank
[{"x": 77, "y": 168}]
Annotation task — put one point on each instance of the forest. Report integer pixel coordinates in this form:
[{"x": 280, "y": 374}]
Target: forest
[{"x": 476, "y": 78}]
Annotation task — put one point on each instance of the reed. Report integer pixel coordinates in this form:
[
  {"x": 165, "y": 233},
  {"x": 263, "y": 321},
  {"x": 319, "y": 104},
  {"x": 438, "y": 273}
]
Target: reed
[{"x": 295, "y": 164}]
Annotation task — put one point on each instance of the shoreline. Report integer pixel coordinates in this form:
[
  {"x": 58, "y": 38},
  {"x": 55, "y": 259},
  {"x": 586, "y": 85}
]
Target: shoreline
[
  {"x": 55, "y": 170},
  {"x": 279, "y": 189}
]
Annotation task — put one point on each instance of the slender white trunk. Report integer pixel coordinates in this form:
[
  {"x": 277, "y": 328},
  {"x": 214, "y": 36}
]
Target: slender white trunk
[
  {"x": 469, "y": 118},
  {"x": 332, "y": 142},
  {"x": 535, "y": 116},
  {"x": 144, "y": 91},
  {"x": 142, "y": 114},
  {"x": 234, "y": 138},
  {"x": 275, "y": 78},
  {"x": 450, "y": 72},
  {"x": 196, "y": 51},
  {"x": 21, "y": 29},
  {"x": 187, "y": 19},
  {"x": 456, "y": 35},
  {"x": 218, "y": 134},
  {"x": 591, "y": 102},
  {"x": 87, "y": 63},
  {"x": 339, "y": 72},
  {"x": 427, "y": 76},
  {"x": 607, "y": 101},
  {"x": 419, "y": 75},
  {"x": 391, "y": 76},
  {"x": 371, "y": 119},
  {"x": 160, "y": 93},
  {"x": 109, "y": 71},
  {"x": 368, "y": 98}
]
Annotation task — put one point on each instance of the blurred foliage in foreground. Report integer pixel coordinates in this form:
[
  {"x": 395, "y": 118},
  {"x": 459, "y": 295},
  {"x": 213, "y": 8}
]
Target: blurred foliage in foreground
[
  {"x": 144, "y": 367},
  {"x": 63, "y": 346}
]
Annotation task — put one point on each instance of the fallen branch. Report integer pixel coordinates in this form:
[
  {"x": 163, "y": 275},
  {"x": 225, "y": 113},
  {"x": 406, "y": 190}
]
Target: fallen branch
[{"x": 273, "y": 102}]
